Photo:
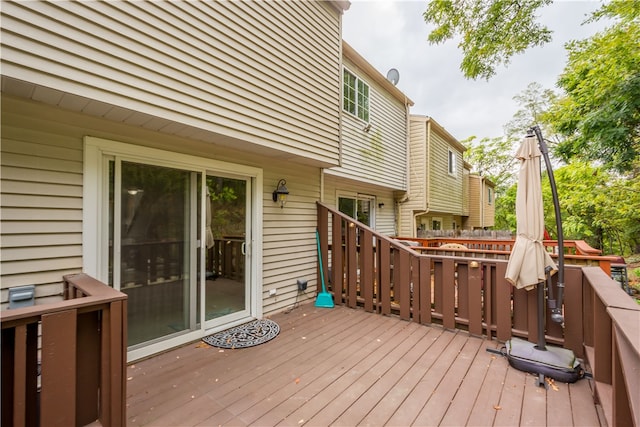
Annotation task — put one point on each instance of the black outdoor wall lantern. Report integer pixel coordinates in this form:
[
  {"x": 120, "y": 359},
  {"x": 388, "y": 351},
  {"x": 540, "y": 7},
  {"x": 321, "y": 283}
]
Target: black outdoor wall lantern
[{"x": 280, "y": 193}]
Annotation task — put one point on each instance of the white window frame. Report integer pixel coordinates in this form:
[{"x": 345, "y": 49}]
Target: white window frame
[
  {"x": 95, "y": 218},
  {"x": 451, "y": 162},
  {"x": 489, "y": 195},
  {"x": 361, "y": 110},
  {"x": 357, "y": 196}
]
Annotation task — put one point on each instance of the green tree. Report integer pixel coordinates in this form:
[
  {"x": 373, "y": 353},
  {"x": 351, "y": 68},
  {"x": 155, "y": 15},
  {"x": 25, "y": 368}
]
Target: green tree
[
  {"x": 505, "y": 216},
  {"x": 597, "y": 206},
  {"x": 600, "y": 112},
  {"x": 491, "y": 32},
  {"x": 492, "y": 158},
  {"x": 534, "y": 102}
]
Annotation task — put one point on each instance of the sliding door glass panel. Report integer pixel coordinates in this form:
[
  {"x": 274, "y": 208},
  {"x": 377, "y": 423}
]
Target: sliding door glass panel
[
  {"x": 156, "y": 258},
  {"x": 226, "y": 242}
]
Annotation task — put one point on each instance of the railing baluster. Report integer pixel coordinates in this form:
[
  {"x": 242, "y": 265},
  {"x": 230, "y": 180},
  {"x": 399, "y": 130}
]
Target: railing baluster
[
  {"x": 366, "y": 269},
  {"x": 503, "y": 304},
  {"x": 352, "y": 266},
  {"x": 462, "y": 308},
  {"x": 488, "y": 299},
  {"x": 475, "y": 300},
  {"x": 416, "y": 306},
  {"x": 337, "y": 259},
  {"x": 58, "y": 393},
  {"x": 401, "y": 285},
  {"x": 448, "y": 293},
  {"x": 19, "y": 375},
  {"x": 438, "y": 284},
  {"x": 425, "y": 290},
  {"x": 385, "y": 277}
]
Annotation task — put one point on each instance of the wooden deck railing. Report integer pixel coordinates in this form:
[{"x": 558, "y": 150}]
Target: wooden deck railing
[
  {"x": 382, "y": 275},
  {"x": 571, "y": 247},
  {"x": 577, "y": 252},
  {"x": 612, "y": 346},
  {"x": 63, "y": 364},
  {"x": 385, "y": 276}
]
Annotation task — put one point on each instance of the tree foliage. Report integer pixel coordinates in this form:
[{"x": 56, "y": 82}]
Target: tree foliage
[
  {"x": 596, "y": 206},
  {"x": 491, "y": 31},
  {"x": 534, "y": 102},
  {"x": 600, "y": 112},
  {"x": 492, "y": 158}
]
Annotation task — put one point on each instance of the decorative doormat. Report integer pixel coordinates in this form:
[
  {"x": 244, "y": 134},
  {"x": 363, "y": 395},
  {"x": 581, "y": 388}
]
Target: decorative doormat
[{"x": 247, "y": 335}]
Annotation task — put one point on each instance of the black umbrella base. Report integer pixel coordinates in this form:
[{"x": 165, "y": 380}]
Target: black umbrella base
[{"x": 553, "y": 362}]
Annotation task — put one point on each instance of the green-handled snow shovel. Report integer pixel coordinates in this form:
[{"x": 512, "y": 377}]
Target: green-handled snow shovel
[{"x": 324, "y": 298}]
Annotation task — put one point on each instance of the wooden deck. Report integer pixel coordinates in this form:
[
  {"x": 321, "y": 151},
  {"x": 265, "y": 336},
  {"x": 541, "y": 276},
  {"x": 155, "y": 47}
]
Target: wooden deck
[{"x": 346, "y": 367}]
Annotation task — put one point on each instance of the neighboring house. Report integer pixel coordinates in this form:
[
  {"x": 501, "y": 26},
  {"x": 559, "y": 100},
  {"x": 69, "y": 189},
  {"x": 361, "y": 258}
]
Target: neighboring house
[
  {"x": 436, "y": 198},
  {"x": 481, "y": 203},
  {"x": 373, "y": 161},
  {"x": 120, "y": 120}
]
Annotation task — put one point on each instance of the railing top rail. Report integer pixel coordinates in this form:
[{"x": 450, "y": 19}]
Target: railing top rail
[
  {"x": 608, "y": 290},
  {"x": 582, "y": 249},
  {"x": 97, "y": 293},
  {"x": 611, "y": 259},
  {"x": 391, "y": 241},
  {"x": 411, "y": 249}
]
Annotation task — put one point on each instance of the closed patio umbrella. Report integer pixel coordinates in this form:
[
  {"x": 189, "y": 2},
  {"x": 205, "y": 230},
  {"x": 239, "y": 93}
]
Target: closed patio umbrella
[
  {"x": 529, "y": 259},
  {"x": 530, "y": 265}
]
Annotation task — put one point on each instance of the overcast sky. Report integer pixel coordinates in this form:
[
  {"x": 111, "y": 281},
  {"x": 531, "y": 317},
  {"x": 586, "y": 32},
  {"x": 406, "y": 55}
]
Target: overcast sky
[{"x": 393, "y": 34}]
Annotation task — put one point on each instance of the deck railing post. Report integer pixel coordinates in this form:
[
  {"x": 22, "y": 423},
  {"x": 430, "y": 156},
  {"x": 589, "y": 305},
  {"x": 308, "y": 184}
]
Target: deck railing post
[
  {"x": 612, "y": 347},
  {"x": 67, "y": 339},
  {"x": 337, "y": 259},
  {"x": 602, "y": 342}
]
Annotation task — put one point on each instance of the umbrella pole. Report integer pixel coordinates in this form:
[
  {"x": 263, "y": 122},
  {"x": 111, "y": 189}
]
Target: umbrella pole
[
  {"x": 556, "y": 311},
  {"x": 542, "y": 345}
]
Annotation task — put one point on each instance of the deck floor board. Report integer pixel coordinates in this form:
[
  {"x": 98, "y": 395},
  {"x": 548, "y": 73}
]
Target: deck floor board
[{"x": 348, "y": 367}]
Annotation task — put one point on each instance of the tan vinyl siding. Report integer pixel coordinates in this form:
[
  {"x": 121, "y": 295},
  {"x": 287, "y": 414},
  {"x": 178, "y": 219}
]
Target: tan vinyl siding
[
  {"x": 416, "y": 176},
  {"x": 446, "y": 189},
  {"x": 378, "y": 156},
  {"x": 263, "y": 72},
  {"x": 41, "y": 222},
  {"x": 289, "y": 247},
  {"x": 41, "y": 203},
  {"x": 385, "y": 219},
  {"x": 474, "y": 202},
  {"x": 490, "y": 208},
  {"x": 432, "y": 189},
  {"x": 465, "y": 192}
]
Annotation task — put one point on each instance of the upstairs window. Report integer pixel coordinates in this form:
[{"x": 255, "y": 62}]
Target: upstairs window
[
  {"x": 490, "y": 195},
  {"x": 355, "y": 97},
  {"x": 452, "y": 163}
]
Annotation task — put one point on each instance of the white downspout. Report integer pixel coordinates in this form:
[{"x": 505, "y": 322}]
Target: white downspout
[
  {"x": 408, "y": 168},
  {"x": 321, "y": 185}
]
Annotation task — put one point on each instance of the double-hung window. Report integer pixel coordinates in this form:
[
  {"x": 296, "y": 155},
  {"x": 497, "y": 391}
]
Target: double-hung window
[
  {"x": 452, "y": 163},
  {"x": 355, "y": 97}
]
